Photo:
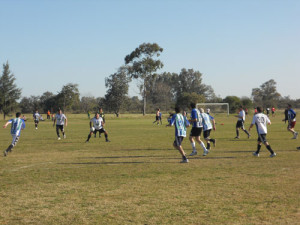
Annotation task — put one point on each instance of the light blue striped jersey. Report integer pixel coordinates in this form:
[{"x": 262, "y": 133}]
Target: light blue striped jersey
[
  {"x": 17, "y": 125},
  {"x": 180, "y": 124},
  {"x": 206, "y": 121}
]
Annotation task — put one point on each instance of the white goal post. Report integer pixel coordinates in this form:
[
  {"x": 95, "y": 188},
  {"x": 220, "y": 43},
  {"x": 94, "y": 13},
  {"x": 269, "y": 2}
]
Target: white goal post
[{"x": 215, "y": 107}]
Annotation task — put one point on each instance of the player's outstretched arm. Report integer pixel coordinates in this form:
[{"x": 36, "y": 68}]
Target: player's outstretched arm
[{"x": 5, "y": 125}]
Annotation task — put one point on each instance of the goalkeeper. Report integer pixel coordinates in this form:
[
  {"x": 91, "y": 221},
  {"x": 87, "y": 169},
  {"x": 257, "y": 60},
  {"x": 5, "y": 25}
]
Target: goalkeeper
[{"x": 96, "y": 125}]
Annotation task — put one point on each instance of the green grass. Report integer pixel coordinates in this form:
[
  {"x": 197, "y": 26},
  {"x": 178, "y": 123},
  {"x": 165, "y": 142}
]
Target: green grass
[{"x": 137, "y": 177}]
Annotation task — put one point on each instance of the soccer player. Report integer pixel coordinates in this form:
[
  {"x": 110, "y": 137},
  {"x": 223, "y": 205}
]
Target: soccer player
[
  {"x": 197, "y": 126},
  {"x": 207, "y": 126},
  {"x": 36, "y": 118},
  {"x": 160, "y": 117},
  {"x": 96, "y": 125},
  {"x": 273, "y": 111},
  {"x": 157, "y": 117},
  {"x": 291, "y": 116},
  {"x": 240, "y": 123},
  {"x": 101, "y": 113},
  {"x": 180, "y": 123},
  {"x": 261, "y": 120},
  {"x": 17, "y": 125},
  {"x": 61, "y": 121}
]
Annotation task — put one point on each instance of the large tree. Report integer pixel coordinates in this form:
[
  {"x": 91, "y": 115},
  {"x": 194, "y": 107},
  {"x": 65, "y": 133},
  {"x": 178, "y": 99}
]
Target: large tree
[
  {"x": 142, "y": 63},
  {"x": 190, "y": 81},
  {"x": 266, "y": 95},
  {"x": 68, "y": 97},
  {"x": 9, "y": 93},
  {"x": 117, "y": 92}
]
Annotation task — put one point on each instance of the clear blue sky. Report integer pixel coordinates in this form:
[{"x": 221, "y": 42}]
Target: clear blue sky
[{"x": 236, "y": 44}]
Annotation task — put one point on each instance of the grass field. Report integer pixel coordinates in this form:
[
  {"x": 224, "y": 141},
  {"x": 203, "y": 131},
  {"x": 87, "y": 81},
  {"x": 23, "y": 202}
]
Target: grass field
[{"x": 137, "y": 177}]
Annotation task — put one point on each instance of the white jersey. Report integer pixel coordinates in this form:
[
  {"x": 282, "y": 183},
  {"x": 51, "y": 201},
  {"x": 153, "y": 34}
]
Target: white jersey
[
  {"x": 206, "y": 121},
  {"x": 97, "y": 123},
  {"x": 242, "y": 115},
  {"x": 261, "y": 121},
  {"x": 36, "y": 116},
  {"x": 60, "y": 119}
]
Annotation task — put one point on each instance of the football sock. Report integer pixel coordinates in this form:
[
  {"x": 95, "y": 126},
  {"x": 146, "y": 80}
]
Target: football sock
[
  {"x": 237, "y": 133},
  {"x": 106, "y": 136},
  {"x": 258, "y": 149},
  {"x": 193, "y": 146},
  {"x": 89, "y": 136},
  {"x": 203, "y": 146},
  {"x": 246, "y": 132},
  {"x": 184, "y": 157},
  {"x": 208, "y": 146},
  {"x": 270, "y": 149}
]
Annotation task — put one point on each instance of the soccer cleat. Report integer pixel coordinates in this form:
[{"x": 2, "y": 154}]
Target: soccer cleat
[
  {"x": 193, "y": 153},
  {"x": 205, "y": 153},
  {"x": 184, "y": 161},
  {"x": 298, "y": 148},
  {"x": 273, "y": 155},
  {"x": 215, "y": 143},
  {"x": 36, "y": 128},
  {"x": 296, "y": 135},
  {"x": 255, "y": 154},
  {"x": 58, "y": 138},
  {"x": 107, "y": 140},
  {"x": 249, "y": 135},
  {"x": 65, "y": 136},
  {"x": 237, "y": 137},
  {"x": 5, "y": 153}
]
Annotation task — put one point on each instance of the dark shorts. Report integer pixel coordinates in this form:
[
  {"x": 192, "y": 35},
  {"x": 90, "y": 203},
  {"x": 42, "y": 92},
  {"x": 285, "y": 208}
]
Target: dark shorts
[
  {"x": 262, "y": 138},
  {"x": 60, "y": 127},
  {"x": 178, "y": 140},
  {"x": 36, "y": 121},
  {"x": 206, "y": 133},
  {"x": 292, "y": 125},
  {"x": 99, "y": 130},
  {"x": 196, "y": 131},
  {"x": 240, "y": 124},
  {"x": 157, "y": 117}
]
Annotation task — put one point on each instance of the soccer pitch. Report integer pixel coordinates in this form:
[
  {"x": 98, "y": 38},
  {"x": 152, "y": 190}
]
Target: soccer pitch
[{"x": 137, "y": 178}]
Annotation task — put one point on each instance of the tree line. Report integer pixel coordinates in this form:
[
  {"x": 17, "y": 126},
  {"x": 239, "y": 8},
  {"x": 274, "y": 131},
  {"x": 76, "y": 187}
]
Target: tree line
[{"x": 158, "y": 90}]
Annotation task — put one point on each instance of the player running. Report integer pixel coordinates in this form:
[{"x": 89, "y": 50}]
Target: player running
[
  {"x": 291, "y": 117},
  {"x": 17, "y": 125},
  {"x": 180, "y": 123},
  {"x": 207, "y": 126},
  {"x": 240, "y": 123},
  {"x": 261, "y": 120},
  {"x": 61, "y": 121},
  {"x": 36, "y": 118},
  {"x": 197, "y": 126},
  {"x": 96, "y": 125}
]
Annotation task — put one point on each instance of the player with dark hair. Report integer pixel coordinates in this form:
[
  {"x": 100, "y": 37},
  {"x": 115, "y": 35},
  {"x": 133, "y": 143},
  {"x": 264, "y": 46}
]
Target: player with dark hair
[
  {"x": 102, "y": 115},
  {"x": 157, "y": 115},
  {"x": 291, "y": 117},
  {"x": 197, "y": 126},
  {"x": 180, "y": 123},
  {"x": 17, "y": 125},
  {"x": 96, "y": 125},
  {"x": 261, "y": 120},
  {"x": 61, "y": 121},
  {"x": 240, "y": 123},
  {"x": 36, "y": 118}
]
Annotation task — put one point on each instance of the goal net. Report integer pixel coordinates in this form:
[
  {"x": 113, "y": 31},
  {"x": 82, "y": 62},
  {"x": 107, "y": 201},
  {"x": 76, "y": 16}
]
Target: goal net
[{"x": 214, "y": 108}]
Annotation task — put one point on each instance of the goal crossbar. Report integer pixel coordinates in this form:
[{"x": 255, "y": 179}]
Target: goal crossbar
[{"x": 199, "y": 105}]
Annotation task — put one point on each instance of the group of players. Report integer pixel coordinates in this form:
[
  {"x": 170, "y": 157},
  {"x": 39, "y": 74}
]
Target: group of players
[
  {"x": 204, "y": 122},
  {"x": 60, "y": 121},
  {"x": 199, "y": 120}
]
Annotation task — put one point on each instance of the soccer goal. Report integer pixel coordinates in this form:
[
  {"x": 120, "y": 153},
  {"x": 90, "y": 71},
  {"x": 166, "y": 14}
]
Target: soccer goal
[{"x": 214, "y": 108}]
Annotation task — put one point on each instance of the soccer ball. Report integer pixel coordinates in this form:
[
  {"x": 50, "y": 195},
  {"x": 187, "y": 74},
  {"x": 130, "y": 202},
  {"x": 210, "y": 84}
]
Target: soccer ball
[{"x": 92, "y": 129}]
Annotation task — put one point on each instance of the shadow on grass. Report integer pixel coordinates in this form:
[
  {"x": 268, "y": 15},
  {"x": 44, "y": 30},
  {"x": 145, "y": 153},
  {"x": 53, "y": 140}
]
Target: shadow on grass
[
  {"x": 216, "y": 157},
  {"x": 112, "y": 163},
  {"x": 143, "y": 149}
]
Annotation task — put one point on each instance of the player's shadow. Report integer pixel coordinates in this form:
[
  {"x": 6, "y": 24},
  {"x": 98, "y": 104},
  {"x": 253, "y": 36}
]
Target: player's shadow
[
  {"x": 234, "y": 151},
  {"x": 145, "y": 149}
]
